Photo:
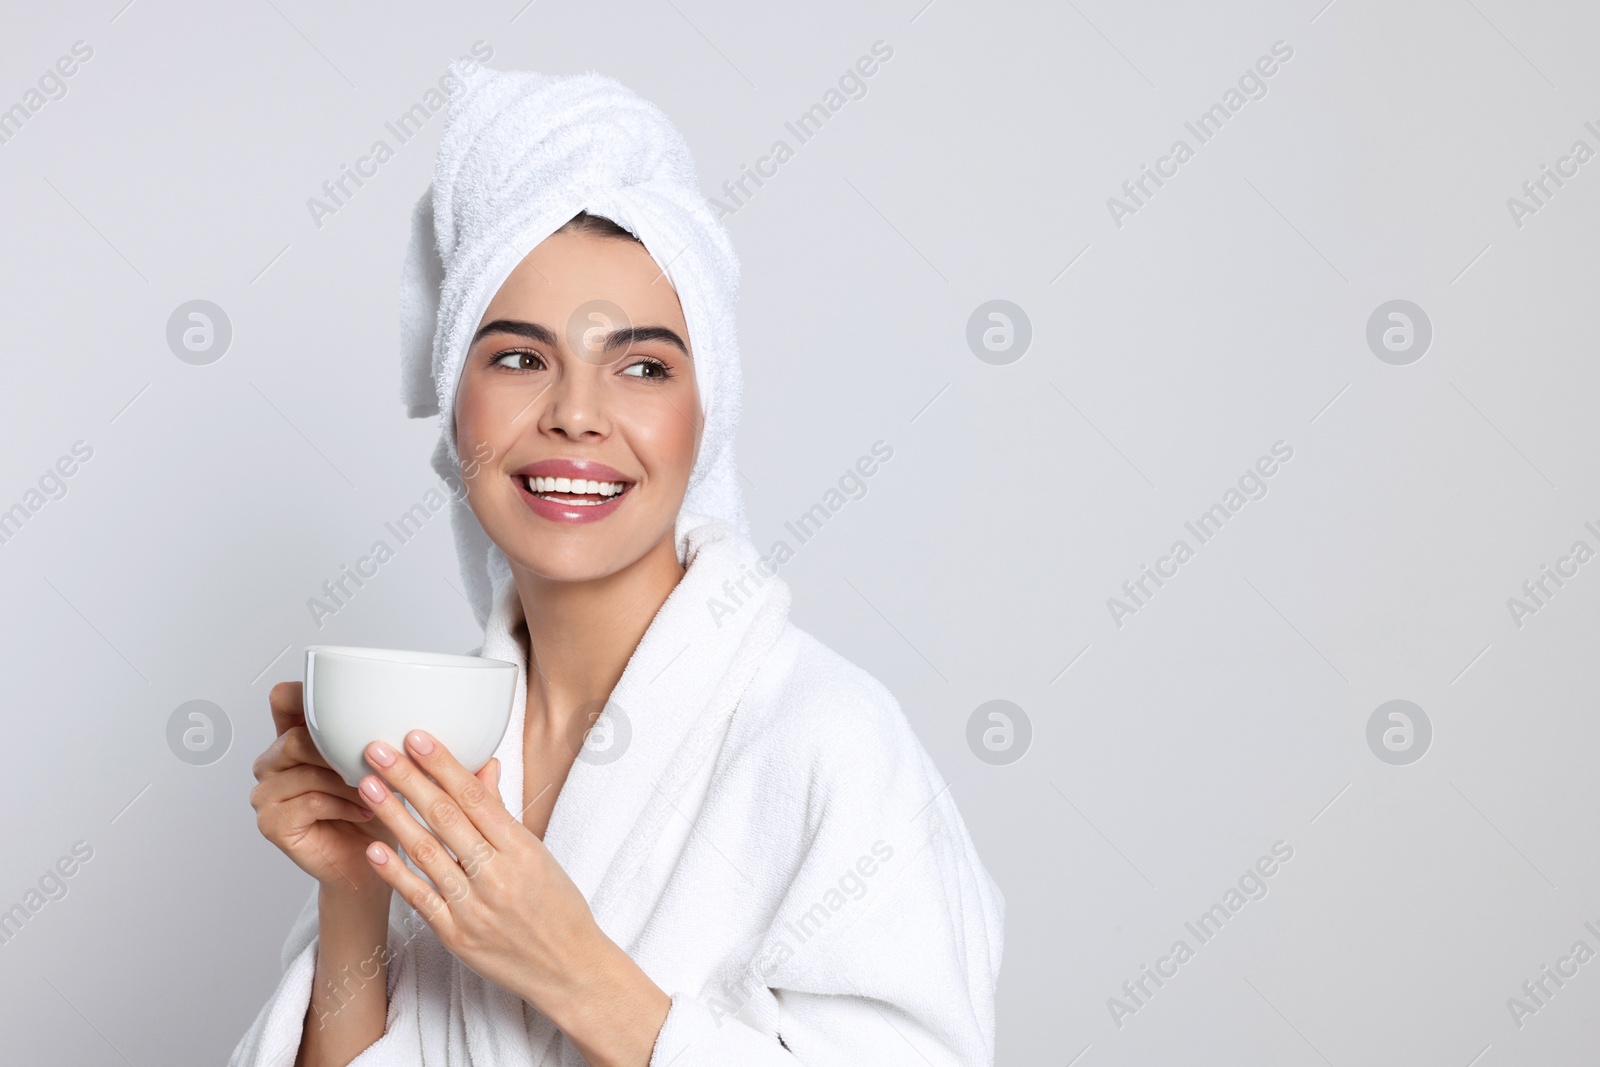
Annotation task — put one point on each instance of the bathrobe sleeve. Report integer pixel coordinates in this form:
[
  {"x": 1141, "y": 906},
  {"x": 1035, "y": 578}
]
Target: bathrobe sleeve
[{"x": 884, "y": 945}]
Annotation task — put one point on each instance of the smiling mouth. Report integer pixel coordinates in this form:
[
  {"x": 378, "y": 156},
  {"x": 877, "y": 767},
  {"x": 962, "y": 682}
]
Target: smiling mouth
[{"x": 575, "y": 490}]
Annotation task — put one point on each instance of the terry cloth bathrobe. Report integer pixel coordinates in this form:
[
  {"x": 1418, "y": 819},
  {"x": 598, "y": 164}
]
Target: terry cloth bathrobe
[{"x": 751, "y": 818}]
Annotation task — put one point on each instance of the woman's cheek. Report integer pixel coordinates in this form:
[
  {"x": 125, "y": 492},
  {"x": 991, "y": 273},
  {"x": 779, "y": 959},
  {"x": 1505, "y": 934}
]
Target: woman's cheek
[{"x": 666, "y": 448}]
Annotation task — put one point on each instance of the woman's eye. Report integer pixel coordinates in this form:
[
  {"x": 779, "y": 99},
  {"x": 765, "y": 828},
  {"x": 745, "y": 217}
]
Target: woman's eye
[
  {"x": 648, "y": 368},
  {"x": 519, "y": 360}
]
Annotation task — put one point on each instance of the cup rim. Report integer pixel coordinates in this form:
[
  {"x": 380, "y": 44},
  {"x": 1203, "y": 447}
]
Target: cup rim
[{"x": 406, "y": 657}]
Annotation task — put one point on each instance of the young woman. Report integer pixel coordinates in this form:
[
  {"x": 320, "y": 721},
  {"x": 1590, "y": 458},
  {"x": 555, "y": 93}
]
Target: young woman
[{"x": 706, "y": 838}]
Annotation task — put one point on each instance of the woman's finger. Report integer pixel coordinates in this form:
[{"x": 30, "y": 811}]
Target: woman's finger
[
  {"x": 297, "y": 744},
  {"x": 304, "y": 778},
  {"x": 466, "y": 795},
  {"x": 489, "y": 775},
  {"x": 413, "y": 889},
  {"x": 453, "y": 826},
  {"x": 293, "y": 746},
  {"x": 425, "y": 851},
  {"x": 301, "y": 810},
  {"x": 287, "y": 707}
]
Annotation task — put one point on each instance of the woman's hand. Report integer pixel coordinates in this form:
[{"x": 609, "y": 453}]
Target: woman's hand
[
  {"x": 305, "y": 808},
  {"x": 501, "y": 903}
]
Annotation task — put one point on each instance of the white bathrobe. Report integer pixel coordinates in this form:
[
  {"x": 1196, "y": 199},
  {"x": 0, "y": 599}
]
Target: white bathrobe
[{"x": 755, "y": 823}]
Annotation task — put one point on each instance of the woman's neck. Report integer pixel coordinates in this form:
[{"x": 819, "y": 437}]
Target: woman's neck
[{"x": 580, "y": 635}]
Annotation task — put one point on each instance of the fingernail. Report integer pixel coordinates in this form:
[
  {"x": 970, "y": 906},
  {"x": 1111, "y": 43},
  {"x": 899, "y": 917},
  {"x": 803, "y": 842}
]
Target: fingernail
[
  {"x": 376, "y": 854},
  {"x": 373, "y": 789},
  {"x": 421, "y": 742},
  {"x": 381, "y": 754},
  {"x": 364, "y": 811}
]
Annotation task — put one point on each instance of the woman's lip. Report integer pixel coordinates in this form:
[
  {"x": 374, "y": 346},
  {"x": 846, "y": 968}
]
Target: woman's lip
[
  {"x": 587, "y": 469},
  {"x": 557, "y": 511}
]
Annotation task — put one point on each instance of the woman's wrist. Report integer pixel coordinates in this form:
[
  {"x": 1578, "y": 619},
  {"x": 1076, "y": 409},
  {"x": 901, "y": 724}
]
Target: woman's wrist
[
  {"x": 371, "y": 894},
  {"x": 349, "y": 989},
  {"x": 607, "y": 1007}
]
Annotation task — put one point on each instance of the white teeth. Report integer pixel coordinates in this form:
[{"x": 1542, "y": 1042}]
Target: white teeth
[{"x": 575, "y": 485}]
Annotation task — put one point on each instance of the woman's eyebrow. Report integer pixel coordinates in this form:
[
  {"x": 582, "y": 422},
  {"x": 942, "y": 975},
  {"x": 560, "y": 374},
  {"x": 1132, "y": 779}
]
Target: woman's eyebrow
[
  {"x": 631, "y": 335},
  {"x": 531, "y": 330},
  {"x": 618, "y": 338}
]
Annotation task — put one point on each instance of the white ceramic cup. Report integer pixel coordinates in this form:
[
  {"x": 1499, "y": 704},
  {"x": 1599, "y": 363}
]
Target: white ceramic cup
[{"x": 355, "y": 696}]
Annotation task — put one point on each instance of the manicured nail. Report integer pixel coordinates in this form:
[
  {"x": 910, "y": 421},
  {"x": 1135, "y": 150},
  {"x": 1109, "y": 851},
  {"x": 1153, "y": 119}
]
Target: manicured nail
[
  {"x": 381, "y": 754},
  {"x": 373, "y": 789},
  {"x": 420, "y": 742},
  {"x": 376, "y": 854},
  {"x": 365, "y": 813}
]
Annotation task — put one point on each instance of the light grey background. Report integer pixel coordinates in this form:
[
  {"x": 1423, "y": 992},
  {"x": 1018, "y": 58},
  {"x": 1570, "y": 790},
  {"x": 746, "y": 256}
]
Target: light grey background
[{"x": 1168, "y": 353}]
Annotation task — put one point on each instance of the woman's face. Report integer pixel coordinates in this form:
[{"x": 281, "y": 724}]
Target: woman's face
[{"x": 579, "y": 374}]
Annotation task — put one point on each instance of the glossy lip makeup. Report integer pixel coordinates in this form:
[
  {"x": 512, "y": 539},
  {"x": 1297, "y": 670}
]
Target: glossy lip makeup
[{"x": 571, "y": 490}]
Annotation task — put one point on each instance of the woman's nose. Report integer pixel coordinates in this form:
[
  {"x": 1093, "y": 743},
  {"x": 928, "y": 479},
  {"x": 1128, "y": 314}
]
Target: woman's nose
[{"x": 575, "y": 403}]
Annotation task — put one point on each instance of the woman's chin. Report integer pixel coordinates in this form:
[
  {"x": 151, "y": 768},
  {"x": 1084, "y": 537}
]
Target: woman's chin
[
  {"x": 573, "y": 556},
  {"x": 578, "y": 551}
]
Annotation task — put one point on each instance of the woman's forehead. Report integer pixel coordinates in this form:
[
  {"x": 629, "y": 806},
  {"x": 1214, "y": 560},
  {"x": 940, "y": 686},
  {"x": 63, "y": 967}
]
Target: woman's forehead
[{"x": 576, "y": 275}]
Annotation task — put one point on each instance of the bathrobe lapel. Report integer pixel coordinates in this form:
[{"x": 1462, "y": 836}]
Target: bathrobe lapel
[{"x": 635, "y": 777}]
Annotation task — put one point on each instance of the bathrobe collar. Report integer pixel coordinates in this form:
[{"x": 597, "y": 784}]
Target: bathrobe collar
[{"x": 666, "y": 716}]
